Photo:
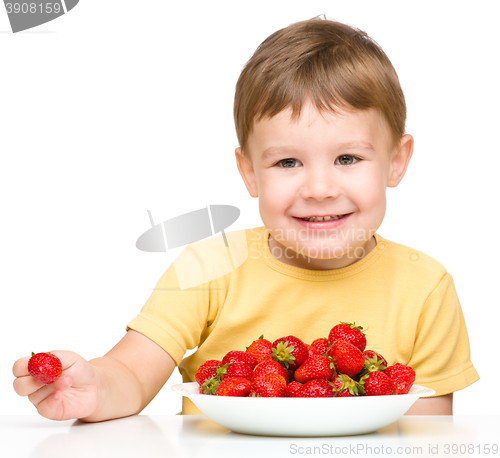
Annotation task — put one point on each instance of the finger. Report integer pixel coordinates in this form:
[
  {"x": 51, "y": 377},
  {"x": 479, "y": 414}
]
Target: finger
[
  {"x": 51, "y": 406},
  {"x": 20, "y": 367},
  {"x": 68, "y": 358},
  {"x": 26, "y": 385},
  {"x": 42, "y": 393}
]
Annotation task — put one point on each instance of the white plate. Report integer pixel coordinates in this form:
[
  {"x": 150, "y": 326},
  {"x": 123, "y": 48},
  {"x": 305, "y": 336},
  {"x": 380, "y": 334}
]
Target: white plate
[{"x": 302, "y": 416}]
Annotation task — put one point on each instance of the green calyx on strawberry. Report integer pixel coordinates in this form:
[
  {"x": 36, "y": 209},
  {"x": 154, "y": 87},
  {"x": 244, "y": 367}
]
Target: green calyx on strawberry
[
  {"x": 282, "y": 354},
  {"x": 345, "y": 386},
  {"x": 373, "y": 362},
  {"x": 211, "y": 377},
  {"x": 289, "y": 351}
]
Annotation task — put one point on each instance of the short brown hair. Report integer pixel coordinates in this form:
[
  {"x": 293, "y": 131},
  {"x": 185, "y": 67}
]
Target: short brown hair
[{"x": 332, "y": 64}]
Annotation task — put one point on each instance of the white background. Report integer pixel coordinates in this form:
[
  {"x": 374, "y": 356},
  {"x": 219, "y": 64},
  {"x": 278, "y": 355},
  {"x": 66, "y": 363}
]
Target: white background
[{"x": 122, "y": 106}]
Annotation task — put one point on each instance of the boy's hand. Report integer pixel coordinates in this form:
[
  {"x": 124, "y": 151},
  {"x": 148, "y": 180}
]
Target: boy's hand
[{"x": 74, "y": 395}]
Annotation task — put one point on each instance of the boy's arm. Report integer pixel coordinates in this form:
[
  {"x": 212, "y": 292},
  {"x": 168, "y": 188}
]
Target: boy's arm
[
  {"x": 132, "y": 373},
  {"x": 440, "y": 405}
]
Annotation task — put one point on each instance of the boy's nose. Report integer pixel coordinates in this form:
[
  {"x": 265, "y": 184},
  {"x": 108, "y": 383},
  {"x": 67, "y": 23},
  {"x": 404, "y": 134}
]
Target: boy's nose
[{"x": 320, "y": 185}]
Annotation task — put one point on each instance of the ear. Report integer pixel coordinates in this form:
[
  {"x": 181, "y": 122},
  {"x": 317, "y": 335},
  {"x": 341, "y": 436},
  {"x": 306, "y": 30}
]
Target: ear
[
  {"x": 247, "y": 172},
  {"x": 400, "y": 160}
]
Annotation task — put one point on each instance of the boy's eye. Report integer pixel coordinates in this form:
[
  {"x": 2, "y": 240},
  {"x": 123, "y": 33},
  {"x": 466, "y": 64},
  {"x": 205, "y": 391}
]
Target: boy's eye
[
  {"x": 347, "y": 159},
  {"x": 287, "y": 163}
]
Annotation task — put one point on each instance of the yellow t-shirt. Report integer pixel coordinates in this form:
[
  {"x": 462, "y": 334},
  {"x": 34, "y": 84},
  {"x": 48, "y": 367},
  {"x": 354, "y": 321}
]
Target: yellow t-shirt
[{"x": 405, "y": 300}]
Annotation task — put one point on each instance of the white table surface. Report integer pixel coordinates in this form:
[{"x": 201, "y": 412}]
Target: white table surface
[{"x": 196, "y": 436}]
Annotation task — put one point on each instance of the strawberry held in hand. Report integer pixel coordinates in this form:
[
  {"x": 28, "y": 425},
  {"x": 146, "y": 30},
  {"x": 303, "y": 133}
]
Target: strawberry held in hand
[{"x": 45, "y": 367}]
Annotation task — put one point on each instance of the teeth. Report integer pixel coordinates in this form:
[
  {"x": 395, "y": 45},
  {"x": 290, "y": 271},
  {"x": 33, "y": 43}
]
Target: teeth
[{"x": 323, "y": 218}]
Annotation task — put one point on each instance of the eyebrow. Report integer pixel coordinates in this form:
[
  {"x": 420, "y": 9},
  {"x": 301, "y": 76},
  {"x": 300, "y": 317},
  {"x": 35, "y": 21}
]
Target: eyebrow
[{"x": 346, "y": 146}]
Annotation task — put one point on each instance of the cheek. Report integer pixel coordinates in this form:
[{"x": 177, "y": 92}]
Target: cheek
[
  {"x": 274, "y": 190},
  {"x": 371, "y": 194}
]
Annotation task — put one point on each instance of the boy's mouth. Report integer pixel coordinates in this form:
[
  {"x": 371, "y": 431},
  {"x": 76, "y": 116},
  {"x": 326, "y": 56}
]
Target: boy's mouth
[{"x": 320, "y": 219}]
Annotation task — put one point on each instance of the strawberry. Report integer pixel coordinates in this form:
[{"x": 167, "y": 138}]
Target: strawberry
[
  {"x": 316, "y": 388},
  {"x": 260, "y": 348},
  {"x": 211, "y": 363},
  {"x": 377, "y": 383},
  {"x": 268, "y": 386},
  {"x": 236, "y": 356},
  {"x": 292, "y": 389},
  {"x": 402, "y": 376},
  {"x": 242, "y": 370},
  {"x": 315, "y": 367},
  {"x": 289, "y": 351},
  {"x": 45, "y": 367},
  {"x": 347, "y": 358},
  {"x": 234, "y": 386},
  {"x": 269, "y": 366},
  {"x": 345, "y": 386},
  {"x": 319, "y": 346},
  {"x": 374, "y": 361},
  {"x": 350, "y": 333}
]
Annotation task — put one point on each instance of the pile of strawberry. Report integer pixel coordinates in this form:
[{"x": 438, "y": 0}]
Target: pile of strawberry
[{"x": 335, "y": 367}]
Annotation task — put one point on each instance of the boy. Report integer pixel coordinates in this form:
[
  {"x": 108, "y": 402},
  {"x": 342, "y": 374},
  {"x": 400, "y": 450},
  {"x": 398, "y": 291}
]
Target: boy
[{"x": 320, "y": 119}]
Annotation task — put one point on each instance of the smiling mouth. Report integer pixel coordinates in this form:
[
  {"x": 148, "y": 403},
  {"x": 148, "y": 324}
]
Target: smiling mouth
[{"x": 320, "y": 219}]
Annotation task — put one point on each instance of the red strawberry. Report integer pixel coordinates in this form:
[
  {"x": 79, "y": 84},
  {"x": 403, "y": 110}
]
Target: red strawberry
[
  {"x": 374, "y": 361},
  {"x": 209, "y": 380},
  {"x": 350, "y": 333},
  {"x": 315, "y": 367},
  {"x": 234, "y": 386},
  {"x": 402, "y": 376},
  {"x": 289, "y": 351},
  {"x": 236, "y": 356},
  {"x": 292, "y": 389},
  {"x": 260, "y": 348},
  {"x": 242, "y": 370},
  {"x": 316, "y": 388},
  {"x": 45, "y": 367},
  {"x": 268, "y": 366},
  {"x": 211, "y": 363},
  {"x": 319, "y": 346},
  {"x": 268, "y": 386},
  {"x": 347, "y": 358},
  {"x": 377, "y": 383},
  {"x": 345, "y": 386}
]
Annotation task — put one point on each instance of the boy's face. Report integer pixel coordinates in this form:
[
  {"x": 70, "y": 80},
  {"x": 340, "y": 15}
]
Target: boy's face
[{"x": 322, "y": 165}]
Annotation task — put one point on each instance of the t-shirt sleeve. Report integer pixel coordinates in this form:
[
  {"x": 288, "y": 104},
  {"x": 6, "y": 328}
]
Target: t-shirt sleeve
[
  {"x": 176, "y": 318},
  {"x": 441, "y": 354}
]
